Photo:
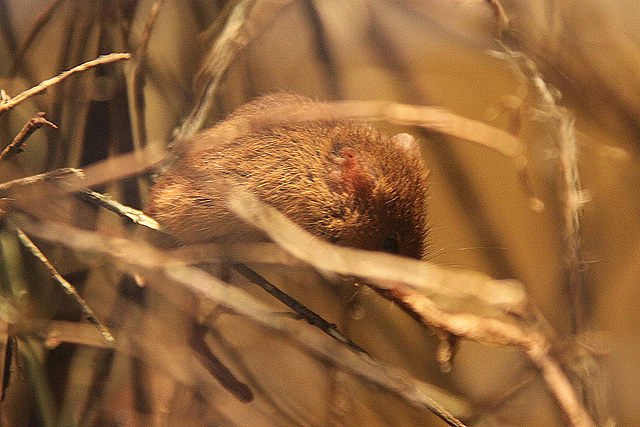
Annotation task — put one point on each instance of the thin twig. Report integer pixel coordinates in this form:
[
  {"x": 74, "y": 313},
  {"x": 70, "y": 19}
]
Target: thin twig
[
  {"x": 433, "y": 118},
  {"x": 57, "y": 175},
  {"x": 4, "y": 97},
  {"x": 68, "y": 287},
  {"x": 440, "y": 120},
  {"x": 240, "y": 27},
  {"x": 562, "y": 124},
  {"x": 31, "y": 126},
  {"x": 39, "y": 24},
  {"x": 572, "y": 198},
  {"x": 138, "y": 77},
  {"x": 136, "y": 216},
  {"x": 116, "y": 168},
  {"x": 104, "y": 59},
  {"x": 492, "y": 331}
]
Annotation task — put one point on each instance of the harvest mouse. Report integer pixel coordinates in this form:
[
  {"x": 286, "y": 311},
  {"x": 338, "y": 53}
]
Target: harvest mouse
[{"x": 340, "y": 180}]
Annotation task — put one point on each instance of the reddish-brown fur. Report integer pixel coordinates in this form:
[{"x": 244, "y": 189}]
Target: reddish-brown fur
[{"x": 340, "y": 180}]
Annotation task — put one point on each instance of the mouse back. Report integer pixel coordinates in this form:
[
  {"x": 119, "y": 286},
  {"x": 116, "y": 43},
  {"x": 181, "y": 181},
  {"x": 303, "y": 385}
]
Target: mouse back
[{"x": 341, "y": 180}]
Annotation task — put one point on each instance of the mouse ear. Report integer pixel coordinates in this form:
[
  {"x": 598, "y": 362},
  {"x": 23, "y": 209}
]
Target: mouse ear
[
  {"x": 410, "y": 146},
  {"x": 406, "y": 142},
  {"x": 351, "y": 174}
]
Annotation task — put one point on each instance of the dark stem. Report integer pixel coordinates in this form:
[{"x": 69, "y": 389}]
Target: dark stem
[
  {"x": 9, "y": 349},
  {"x": 310, "y": 316}
]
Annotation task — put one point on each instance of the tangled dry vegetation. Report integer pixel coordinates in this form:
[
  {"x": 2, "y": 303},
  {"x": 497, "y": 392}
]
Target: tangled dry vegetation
[{"x": 524, "y": 313}]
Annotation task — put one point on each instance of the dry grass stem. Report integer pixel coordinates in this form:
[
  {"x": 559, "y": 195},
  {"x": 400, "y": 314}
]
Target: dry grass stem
[
  {"x": 496, "y": 332},
  {"x": 500, "y": 298},
  {"x": 69, "y": 289},
  {"x": 235, "y": 35},
  {"x": 561, "y": 121},
  {"x": 437, "y": 119},
  {"x": 243, "y": 22},
  {"x": 56, "y": 332},
  {"x": 134, "y": 215},
  {"x": 138, "y": 78},
  {"x": 58, "y": 175},
  {"x": 501, "y": 16},
  {"x": 39, "y": 23},
  {"x": 510, "y": 330},
  {"x": 134, "y": 258},
  {"x": 23, "y": 96},
  {"x": 440, "y": 120},
  {"x": 115, "y": 168},
  {"x": 572, "y": 197}
]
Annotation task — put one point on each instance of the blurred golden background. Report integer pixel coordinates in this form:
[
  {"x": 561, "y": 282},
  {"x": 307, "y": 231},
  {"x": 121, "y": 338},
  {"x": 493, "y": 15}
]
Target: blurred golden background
[{"x": 463, "y": 56}]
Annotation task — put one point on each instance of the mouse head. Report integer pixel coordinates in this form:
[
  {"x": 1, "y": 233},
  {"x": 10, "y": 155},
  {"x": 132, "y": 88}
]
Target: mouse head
[{"x": 382, "y": 183}]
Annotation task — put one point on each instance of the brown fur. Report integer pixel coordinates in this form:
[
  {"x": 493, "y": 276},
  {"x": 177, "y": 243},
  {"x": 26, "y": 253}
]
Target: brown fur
[{"x": 338, "y": 179}]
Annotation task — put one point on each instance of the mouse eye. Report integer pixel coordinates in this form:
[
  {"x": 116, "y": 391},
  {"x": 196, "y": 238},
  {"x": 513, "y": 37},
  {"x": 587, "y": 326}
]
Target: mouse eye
[{"x": 391, "y": 245}]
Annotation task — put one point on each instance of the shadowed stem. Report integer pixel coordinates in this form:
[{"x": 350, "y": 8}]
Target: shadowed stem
[{"x": 310, "y": 316}]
